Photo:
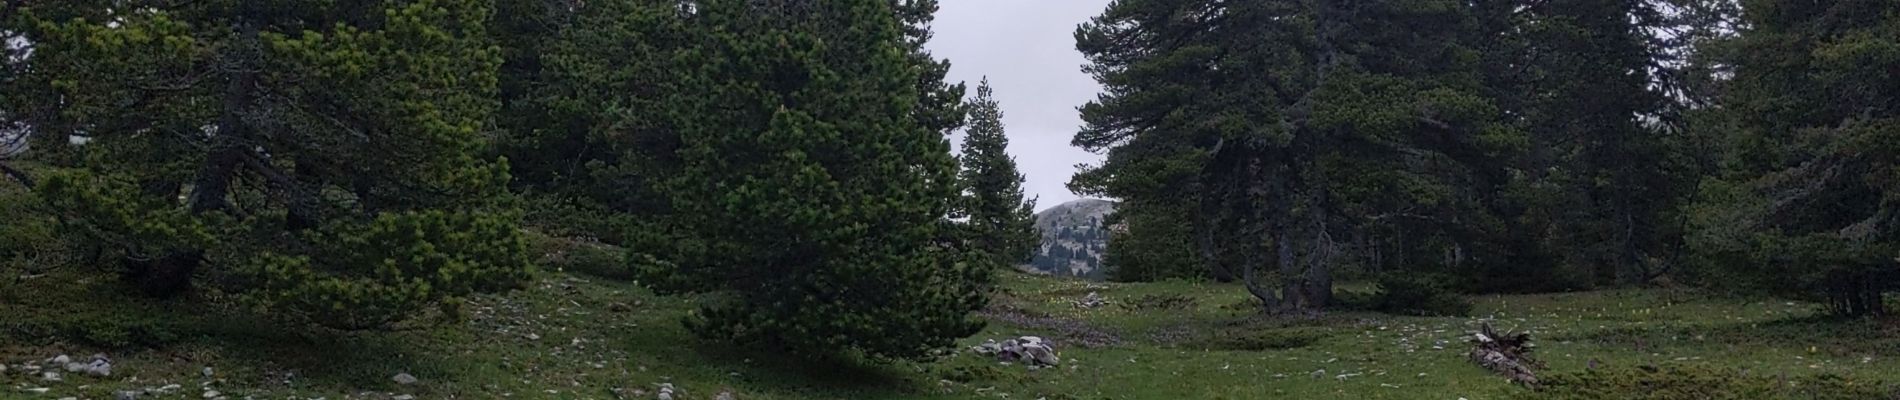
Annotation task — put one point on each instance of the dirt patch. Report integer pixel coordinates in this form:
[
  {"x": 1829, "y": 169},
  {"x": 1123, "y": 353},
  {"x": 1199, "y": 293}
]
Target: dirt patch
[{"x": 1071, "y": 332}]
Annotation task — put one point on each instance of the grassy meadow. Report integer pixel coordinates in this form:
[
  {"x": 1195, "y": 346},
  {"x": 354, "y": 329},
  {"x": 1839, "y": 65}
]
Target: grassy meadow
[{"x": 582, "y": 336}]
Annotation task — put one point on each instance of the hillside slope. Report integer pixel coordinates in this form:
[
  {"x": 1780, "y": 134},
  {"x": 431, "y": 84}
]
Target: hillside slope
[{"x": 1073, "y": 239}]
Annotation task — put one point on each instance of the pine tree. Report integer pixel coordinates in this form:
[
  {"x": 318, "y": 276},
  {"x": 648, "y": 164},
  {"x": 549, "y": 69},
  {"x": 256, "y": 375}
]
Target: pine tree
[
  {"x": 816, "y": 197},
  {"x": 323, "y": 161},
  {"x": 1806, "y": 202},
  {"x": 1594, "y": 196},
  {"x": 1290, "y": 123},
  {"x": 1002, "y": 220}
]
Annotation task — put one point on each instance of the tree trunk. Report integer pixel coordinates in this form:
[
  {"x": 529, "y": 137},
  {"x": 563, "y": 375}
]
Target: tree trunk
[
  {"x": 169, "y": 273},
  {"x": 17, "y": 175},
  {"x": 165, "y": 275}
]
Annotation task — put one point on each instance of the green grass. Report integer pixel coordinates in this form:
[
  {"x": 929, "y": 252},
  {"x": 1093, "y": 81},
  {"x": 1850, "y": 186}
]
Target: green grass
[{"x": 582, "y": 337}]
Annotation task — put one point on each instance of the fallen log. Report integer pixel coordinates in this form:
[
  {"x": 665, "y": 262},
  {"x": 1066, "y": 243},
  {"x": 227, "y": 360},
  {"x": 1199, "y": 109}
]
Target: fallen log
[{"x": 1508, "y": 354}]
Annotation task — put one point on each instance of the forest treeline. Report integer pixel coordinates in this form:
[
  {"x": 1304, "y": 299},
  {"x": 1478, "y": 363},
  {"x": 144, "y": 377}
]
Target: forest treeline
[
  {"x": 358, "y": 164},
  {"x": 1500, "y": 146},
  {"x": 361, "y": 164}
]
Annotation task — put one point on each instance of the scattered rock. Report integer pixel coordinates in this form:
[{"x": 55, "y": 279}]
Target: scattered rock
[
  {"x": 51, "y": 376},
  {"x": 724, "y": 396},
  {"x": 405, "y": 379},
  {"x": 666, "y": 392},
  {"x": 405, "y": 397},
  {"x": 125, "y": 395},
  {"x": 211, "y": 394},
  {"x": 61, "y": 359},
  {"x": 207, "y": 372},
  {"x": 1029, "y": 350},
  {"x": 1092, "y": 300}
]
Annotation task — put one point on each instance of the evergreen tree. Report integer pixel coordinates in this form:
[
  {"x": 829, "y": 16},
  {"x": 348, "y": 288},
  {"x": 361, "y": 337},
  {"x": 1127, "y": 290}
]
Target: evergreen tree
[
  {"x": 1597, "y": 191},
  {"x": 814, "y": 195},
  {"x": 940, "y": 106},
  {"x": 1807, "y": 202},
  {"x": 1289, "y": 123},
  {"x": 324, "y": 160},
  {"x": 1003, "y": 221}
]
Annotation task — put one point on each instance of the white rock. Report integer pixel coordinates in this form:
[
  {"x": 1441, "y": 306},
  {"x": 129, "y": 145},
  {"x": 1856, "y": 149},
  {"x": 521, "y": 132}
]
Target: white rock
[
  {"x": 405, "y": 378},
  {"x": 211, "y": 394},
  {"x": 75, "y": 367},
  {"x": 724, "y": 396},
  {"x": 99, "y": 368},
  {"x": 207, "y": 372},
  {"x": 62, "y": 359},
  {"x": 51, "y": 376},
  {"x": 405, "y": 397}
]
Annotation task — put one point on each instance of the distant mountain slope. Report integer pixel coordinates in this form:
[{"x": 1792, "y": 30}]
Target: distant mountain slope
[{"x": 1073, "y": 239}]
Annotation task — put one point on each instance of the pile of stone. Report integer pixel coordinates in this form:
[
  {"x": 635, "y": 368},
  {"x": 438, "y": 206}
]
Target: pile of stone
[
  {"x": 1029, "y": 350},
  {"x": 50, "y": 369}
]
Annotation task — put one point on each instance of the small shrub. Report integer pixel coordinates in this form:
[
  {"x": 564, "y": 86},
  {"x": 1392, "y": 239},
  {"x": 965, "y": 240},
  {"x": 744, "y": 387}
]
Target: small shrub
[
  {"x": 585, "y": 257},
  {"x": 986, "y": 372},
  {"x": 1346, "y": 300},
  {"x": 1418, "y": 295},
  {"x": 1246, "y": 304},
  {"x": 1701, "y": 383},
  {"x": 1269, "y": 339},
  {"x": 1161, "y": 302}
]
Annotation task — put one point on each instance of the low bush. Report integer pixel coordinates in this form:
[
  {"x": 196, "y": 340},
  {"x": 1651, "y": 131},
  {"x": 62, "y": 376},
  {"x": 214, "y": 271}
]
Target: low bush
[
  {"x": 1418, "y": 295},
  {"x": 1161, "y": 302},
  {"x": 1265, "y": 339}
]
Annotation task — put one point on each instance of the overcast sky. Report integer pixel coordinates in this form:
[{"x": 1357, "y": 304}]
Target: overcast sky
[{"x": 1027, "y": 48}]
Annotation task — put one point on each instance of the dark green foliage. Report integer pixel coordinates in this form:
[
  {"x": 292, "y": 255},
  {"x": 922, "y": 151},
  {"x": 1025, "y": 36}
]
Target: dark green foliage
[
  {"x": 814, "y": 200},
  {"x": 1675, "y": 382},
  {"x": 1001, "y": 219},
  {"x": 1275, "y": 127},
  {"x": 1151, "y": 245},
  {"x": 372, "y": 274},
  {"x": 322, "y": 159},
  {"x": 1806, "y": 201},
  {"x": 1595, "y": 199},
  {"x": 1160, "y": 302},
  {"x": 1266, "y": 339},
  {"x": 595, "y": 108},
  {"x": 1418, "y": 295}
]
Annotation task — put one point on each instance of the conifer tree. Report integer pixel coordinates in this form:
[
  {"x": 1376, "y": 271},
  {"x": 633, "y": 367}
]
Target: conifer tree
[
  {"x": 1289, "y": 124},
  {"x": 321, "y": 160},
  {"x": 1004, "y": 223},
  {"x": 1807, "y": 204},
  {"x": 816, "y": 197}
]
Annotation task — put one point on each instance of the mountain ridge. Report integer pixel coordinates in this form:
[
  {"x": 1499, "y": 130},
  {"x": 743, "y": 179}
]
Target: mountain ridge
[{"x": 1074, "y": 238}]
